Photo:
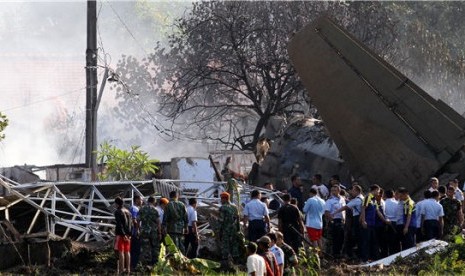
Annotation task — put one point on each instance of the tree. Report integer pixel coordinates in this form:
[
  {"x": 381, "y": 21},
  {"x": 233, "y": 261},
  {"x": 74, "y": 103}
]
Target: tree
[
  {"x": 225, "y": 71},
  {"x": 3, "y": 125},
  {"x": 125, "y": 165}
]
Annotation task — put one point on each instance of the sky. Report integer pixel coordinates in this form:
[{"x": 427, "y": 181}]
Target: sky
[{"x": 42, "y": 76}]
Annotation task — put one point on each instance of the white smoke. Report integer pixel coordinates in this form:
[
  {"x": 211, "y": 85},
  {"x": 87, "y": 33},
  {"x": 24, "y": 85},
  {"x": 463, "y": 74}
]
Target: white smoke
[{"x": 42, "y": 59}]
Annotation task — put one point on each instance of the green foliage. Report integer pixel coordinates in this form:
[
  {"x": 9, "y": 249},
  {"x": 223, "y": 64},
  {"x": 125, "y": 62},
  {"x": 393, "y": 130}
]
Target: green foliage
[
  {"x": 180, "y": 263},
  {"x": 309, "y": 262},
  {"x": 125, "y": 165},
  {"x": 163, "y": 267},
  {"x": 451, "y": 265},
  {"x": 3, "y": 125}
]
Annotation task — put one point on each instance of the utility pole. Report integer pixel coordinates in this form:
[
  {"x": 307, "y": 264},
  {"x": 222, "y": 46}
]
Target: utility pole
[{"x": 91, "y": 88}]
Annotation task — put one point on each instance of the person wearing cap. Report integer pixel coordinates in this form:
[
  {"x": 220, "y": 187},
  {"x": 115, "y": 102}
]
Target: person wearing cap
[
  {"x": 161, "y": 211},
  {"x": 257, "y": 216},
  {"x": 150, "y": 231},
  {"x": 161, "y": 207},
  {"x": 270, "y": 260},
  {"x": 255, "y": 263},
  {"x": 175, "y": 220},
  {"x": 229, "y": 227}
]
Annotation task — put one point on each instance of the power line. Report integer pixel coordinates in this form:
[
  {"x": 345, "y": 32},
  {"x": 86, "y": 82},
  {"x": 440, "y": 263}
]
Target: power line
[
  {"x": 126, "y": 27},
  {"x": 45, "y": 100},
  {"x": 153, "y": 120}
]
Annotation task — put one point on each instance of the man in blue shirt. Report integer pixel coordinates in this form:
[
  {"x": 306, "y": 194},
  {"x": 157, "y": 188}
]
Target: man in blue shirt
[
  {"x": 256, "y": 214},
  {"x": 314, "y": 209},
  {"x": 432, "y": 213}
]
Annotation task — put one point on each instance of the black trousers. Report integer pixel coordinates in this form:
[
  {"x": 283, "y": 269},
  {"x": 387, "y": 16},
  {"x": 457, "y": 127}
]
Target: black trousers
[
  {"x": 392, "y": 239},
  {"x": 431, "y": 229},
  {"x": 257, "y": 229},
  {"x": 292, "y": 239},
  {"x": 408, "y": 240},
  {"x": 370, "y": 247},
  {"x": 337, "y": 233},
  {"x": 191, "y": 239}
]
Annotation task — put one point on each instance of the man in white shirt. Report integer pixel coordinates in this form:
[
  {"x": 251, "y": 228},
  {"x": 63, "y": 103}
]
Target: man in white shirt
[
  {"x": 192, "y": 237},
  {"x": 336, "y": 220},
  {"x": 319, "y": 186},
  {"x": 255, "y": 263},
  {"x": 277, "y": 252},
  {"x": 434, "y": 182}
]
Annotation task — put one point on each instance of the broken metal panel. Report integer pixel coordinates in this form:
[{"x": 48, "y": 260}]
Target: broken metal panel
[
  {"x": 430, "y": 247},
  {"x": 387, "y": 128}
]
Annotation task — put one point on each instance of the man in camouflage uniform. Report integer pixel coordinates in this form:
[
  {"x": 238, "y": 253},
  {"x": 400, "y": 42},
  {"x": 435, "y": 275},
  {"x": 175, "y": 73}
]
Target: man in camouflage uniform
[
  {"x": 175, "y": 221},
  {"x": 229, "y": 227},
  {"x": 231, "y": 186},
  {"x": 453, "y": 216},
  {"x": 150, "y": 232}
]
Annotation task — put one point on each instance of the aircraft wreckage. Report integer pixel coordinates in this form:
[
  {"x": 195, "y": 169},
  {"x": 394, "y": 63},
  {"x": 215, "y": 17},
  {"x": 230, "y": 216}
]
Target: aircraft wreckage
[{"x": 387, "y": 129}]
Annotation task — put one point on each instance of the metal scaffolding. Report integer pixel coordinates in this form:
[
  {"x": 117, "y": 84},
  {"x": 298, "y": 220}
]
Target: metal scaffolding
[{"x": 83, "y": 211}]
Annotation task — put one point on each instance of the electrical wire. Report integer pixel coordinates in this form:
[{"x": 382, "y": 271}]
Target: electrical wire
[
  {"x": 162, "y": 131},
  {"x": 44, "y": 100},
  {"x": 127, "y": 28}
]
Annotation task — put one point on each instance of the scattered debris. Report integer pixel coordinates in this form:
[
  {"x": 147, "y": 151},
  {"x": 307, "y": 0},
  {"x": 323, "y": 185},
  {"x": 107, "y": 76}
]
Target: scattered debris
[{"x": 430, "y": 247}]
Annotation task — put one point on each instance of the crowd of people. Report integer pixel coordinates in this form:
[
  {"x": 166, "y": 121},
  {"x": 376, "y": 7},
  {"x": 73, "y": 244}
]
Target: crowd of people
[
  {"x": 141, "y": 229},
  {"x": 357, "y": 224},
  {"x": 369, "y": 225}
]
